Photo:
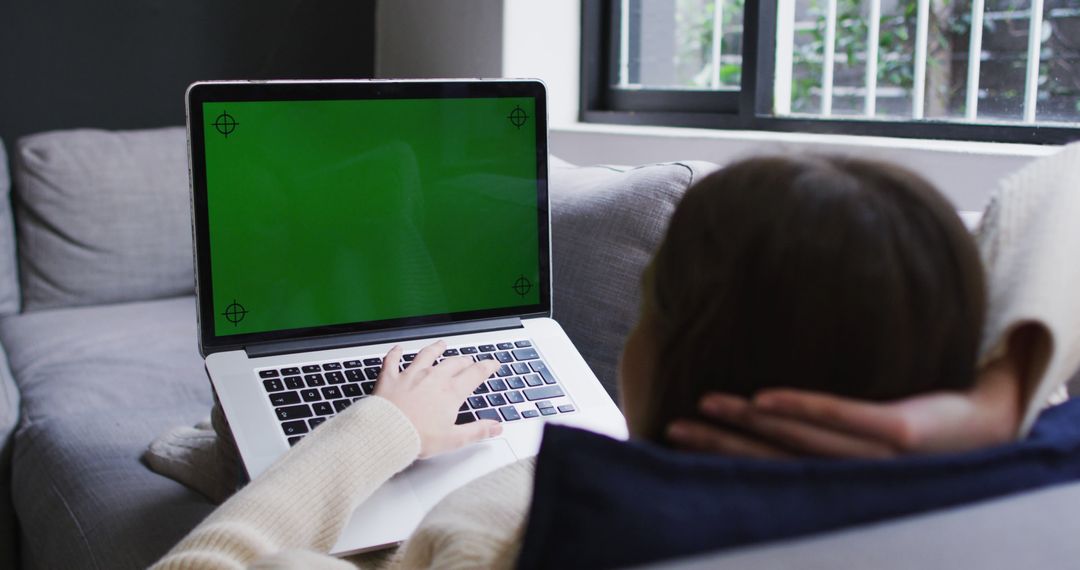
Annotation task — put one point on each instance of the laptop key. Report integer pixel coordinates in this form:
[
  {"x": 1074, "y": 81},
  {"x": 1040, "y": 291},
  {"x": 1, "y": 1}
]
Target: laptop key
[
  {"x": 464, "y": 418},
  {"x": 294, "y": 428},
  {"x": 284, "y": 398},
  {"x": 335, "y": 377},
  {"x": 496, "y": 400},
  {"x": 515, "y": 382},
  {"x": 481, "y": 389},
  {"x": 331, "y": 392},
  {"x": 353, "y": 364},
  {"x": 477, "y": 402},
  {"x": 450, "y": 352},
  {"x": 352, "y": 390},
  {"x": 504, "y": 357},
  {"x": 331, "y": 366},
  {"x": 294, "y": 440},
  {"x": 514, "y": 397},
  {"x": 544, "y": 371},
  {"x": 504, "y": 345},
  {"x": 468, "y": 350},
  {"x": 566, "y": 408},
  {"x": 497, "y": 385},
  {"x": 354, "y": 375},
  {"x": 314, "y": 380},
  {"x": 544, "y": 393},
  {"x": 372, "y": 373},
  {"x": 545, "y": 404},
  {"x": 510, "y": 413},
  {"x": 316, "y": 422},
  {"x": 484, "y": 356},
  {"x": 548, "y": 411},
  {"x": 464, "y": 407},
  {"x": 504, "y": 371},
  {"x": 293, "y": 412},
  {"x": 340, "y": 405},
  {"x": 369, "y": 387},
  {"x": 525, "y": 354},
  {"x": 522, "y": 344},
  {"x": 409, "y": 357},
  {"x": 520, "y": 368},
  {"x": 294, "y": 382},
  {"x": 533, "y": 380},
  {"x": 291, "y": 371},
  {"x": 488, "y": 414},
  {"x": 530, "y": 414},
  {"x": 273, "y": 385},
  {"x": 312, "y": 368},
  {"x": 310, "y": 395},
  {"x": 487, "y": 348},
  {"x": 372, "y": 362},
  {"x": 268, "y": 374},
  {"x": 323, "y": 408}
]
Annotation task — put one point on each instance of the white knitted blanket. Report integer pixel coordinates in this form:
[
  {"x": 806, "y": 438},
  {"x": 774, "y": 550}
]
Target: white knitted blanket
[{"x": 1029, "y": 239}]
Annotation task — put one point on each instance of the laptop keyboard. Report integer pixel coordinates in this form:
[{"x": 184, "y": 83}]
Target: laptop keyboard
[{"x": 306, "y": 395}]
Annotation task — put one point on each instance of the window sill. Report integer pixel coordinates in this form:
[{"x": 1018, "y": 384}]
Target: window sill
[
  {"x": 810, "y": 139},
  {"x": 966, "y": 172}
]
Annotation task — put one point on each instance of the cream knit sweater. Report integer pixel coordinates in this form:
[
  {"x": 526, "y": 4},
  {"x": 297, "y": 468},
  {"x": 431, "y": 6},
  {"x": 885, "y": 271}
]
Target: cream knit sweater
[
  {"x": 1029, "y": 240},
  {"x": 292, "y": 514},
  {"x": 1030, "y": 243}
]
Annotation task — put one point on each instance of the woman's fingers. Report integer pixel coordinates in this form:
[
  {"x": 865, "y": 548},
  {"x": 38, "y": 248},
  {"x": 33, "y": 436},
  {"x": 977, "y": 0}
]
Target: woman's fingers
[
  {"x": 868, "y": 420},
  {"x": 710, "y": 438},
  {"x": 468, "y": 379},
  {"x": 472, "y": 432},
  {"x": 814, "y": 440},
  {"x": 390, "y": 363},
  {"x": 428, "y": 355},
  {"x": 455, "y": 364},
  {"x": 789, "y": 433}
]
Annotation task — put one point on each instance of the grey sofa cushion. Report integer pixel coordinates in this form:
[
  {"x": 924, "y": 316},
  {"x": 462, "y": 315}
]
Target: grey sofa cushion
[
  {"x": 102, "y": 216},
  {"x": 98, "y": 385},
  {"x": 9, "y": 277},
  {"x": 606, "y": 222}
]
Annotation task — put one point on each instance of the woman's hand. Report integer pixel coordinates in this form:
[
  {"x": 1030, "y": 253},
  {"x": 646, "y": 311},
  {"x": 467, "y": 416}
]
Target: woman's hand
[
  {"x": 430, "y": 396},
  {"x": 783, "y": 422}
]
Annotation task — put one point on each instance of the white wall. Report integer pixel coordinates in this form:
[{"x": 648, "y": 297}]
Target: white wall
[{"x": 540, "y": 39}]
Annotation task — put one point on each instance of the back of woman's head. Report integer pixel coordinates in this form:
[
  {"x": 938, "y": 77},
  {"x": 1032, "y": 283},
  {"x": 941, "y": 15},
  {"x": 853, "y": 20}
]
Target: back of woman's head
[{"x": 834, "y": 274}]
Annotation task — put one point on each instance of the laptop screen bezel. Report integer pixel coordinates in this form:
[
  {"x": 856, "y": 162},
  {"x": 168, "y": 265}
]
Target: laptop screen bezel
[{"x": 253, "y": 91}]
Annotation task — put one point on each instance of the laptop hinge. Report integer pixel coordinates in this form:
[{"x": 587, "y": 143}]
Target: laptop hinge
[{"x": 377, "y": 337}]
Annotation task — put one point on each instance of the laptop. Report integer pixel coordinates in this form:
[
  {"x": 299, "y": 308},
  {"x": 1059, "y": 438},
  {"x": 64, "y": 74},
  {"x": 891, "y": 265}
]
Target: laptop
[{"x": 335, "y": 219}]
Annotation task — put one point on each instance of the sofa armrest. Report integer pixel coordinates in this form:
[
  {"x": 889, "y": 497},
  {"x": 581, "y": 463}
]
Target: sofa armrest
[{"x": 9, "y": 419}]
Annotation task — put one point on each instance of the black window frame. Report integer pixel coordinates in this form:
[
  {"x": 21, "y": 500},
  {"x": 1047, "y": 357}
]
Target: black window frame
[{"x": 750, "y": 108}]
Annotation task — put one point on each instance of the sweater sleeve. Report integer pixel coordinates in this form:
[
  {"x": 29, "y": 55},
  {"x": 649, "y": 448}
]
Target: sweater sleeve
[
  {"x": 1028, "y": 239},
  {"x": 303, "y": 501}
]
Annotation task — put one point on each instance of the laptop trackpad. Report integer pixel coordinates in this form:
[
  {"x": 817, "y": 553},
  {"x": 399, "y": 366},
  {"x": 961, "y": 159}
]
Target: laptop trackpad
[{"x": 434, "y": 478}]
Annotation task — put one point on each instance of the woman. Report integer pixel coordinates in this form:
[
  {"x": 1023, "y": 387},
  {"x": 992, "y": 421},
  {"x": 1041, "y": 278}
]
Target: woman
[{"x": 845, "y": 276}]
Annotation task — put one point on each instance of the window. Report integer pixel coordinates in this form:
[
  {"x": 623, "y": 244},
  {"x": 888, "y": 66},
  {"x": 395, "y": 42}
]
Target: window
[{"x": 995, "y": 70}]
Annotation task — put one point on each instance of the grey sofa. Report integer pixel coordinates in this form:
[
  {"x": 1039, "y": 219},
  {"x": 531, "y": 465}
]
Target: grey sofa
[{"x": 99, "y": 346}]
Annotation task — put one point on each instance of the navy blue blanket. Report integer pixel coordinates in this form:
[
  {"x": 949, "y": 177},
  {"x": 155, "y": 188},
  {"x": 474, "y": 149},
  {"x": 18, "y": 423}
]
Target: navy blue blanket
[{"x": 602, "y": 503}]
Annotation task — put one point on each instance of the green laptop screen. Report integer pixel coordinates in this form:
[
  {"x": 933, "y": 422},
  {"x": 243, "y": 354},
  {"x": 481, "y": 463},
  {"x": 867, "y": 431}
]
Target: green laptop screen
[{"x": 346, "y": 211}]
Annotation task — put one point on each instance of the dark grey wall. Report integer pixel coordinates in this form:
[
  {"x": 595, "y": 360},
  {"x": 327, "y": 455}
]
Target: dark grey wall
[{"x": 125, "y": 63}]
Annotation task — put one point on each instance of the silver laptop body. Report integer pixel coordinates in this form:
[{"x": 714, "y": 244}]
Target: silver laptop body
[{"x": 299, "y": 188}]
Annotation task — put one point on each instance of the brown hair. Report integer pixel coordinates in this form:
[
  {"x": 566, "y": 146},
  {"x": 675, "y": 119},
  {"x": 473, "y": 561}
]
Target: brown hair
[{"x": 841, "y": 275}]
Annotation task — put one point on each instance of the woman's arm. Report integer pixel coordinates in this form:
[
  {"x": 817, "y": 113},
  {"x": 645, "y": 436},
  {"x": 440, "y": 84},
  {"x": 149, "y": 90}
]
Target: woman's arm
[
  {"x": 784, "y": 422},
  {"x": 304, "y": 500}
]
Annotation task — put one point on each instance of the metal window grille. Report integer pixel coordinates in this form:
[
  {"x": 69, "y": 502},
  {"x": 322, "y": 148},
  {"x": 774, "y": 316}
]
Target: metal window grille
[{"x": 784, "y": 65}]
